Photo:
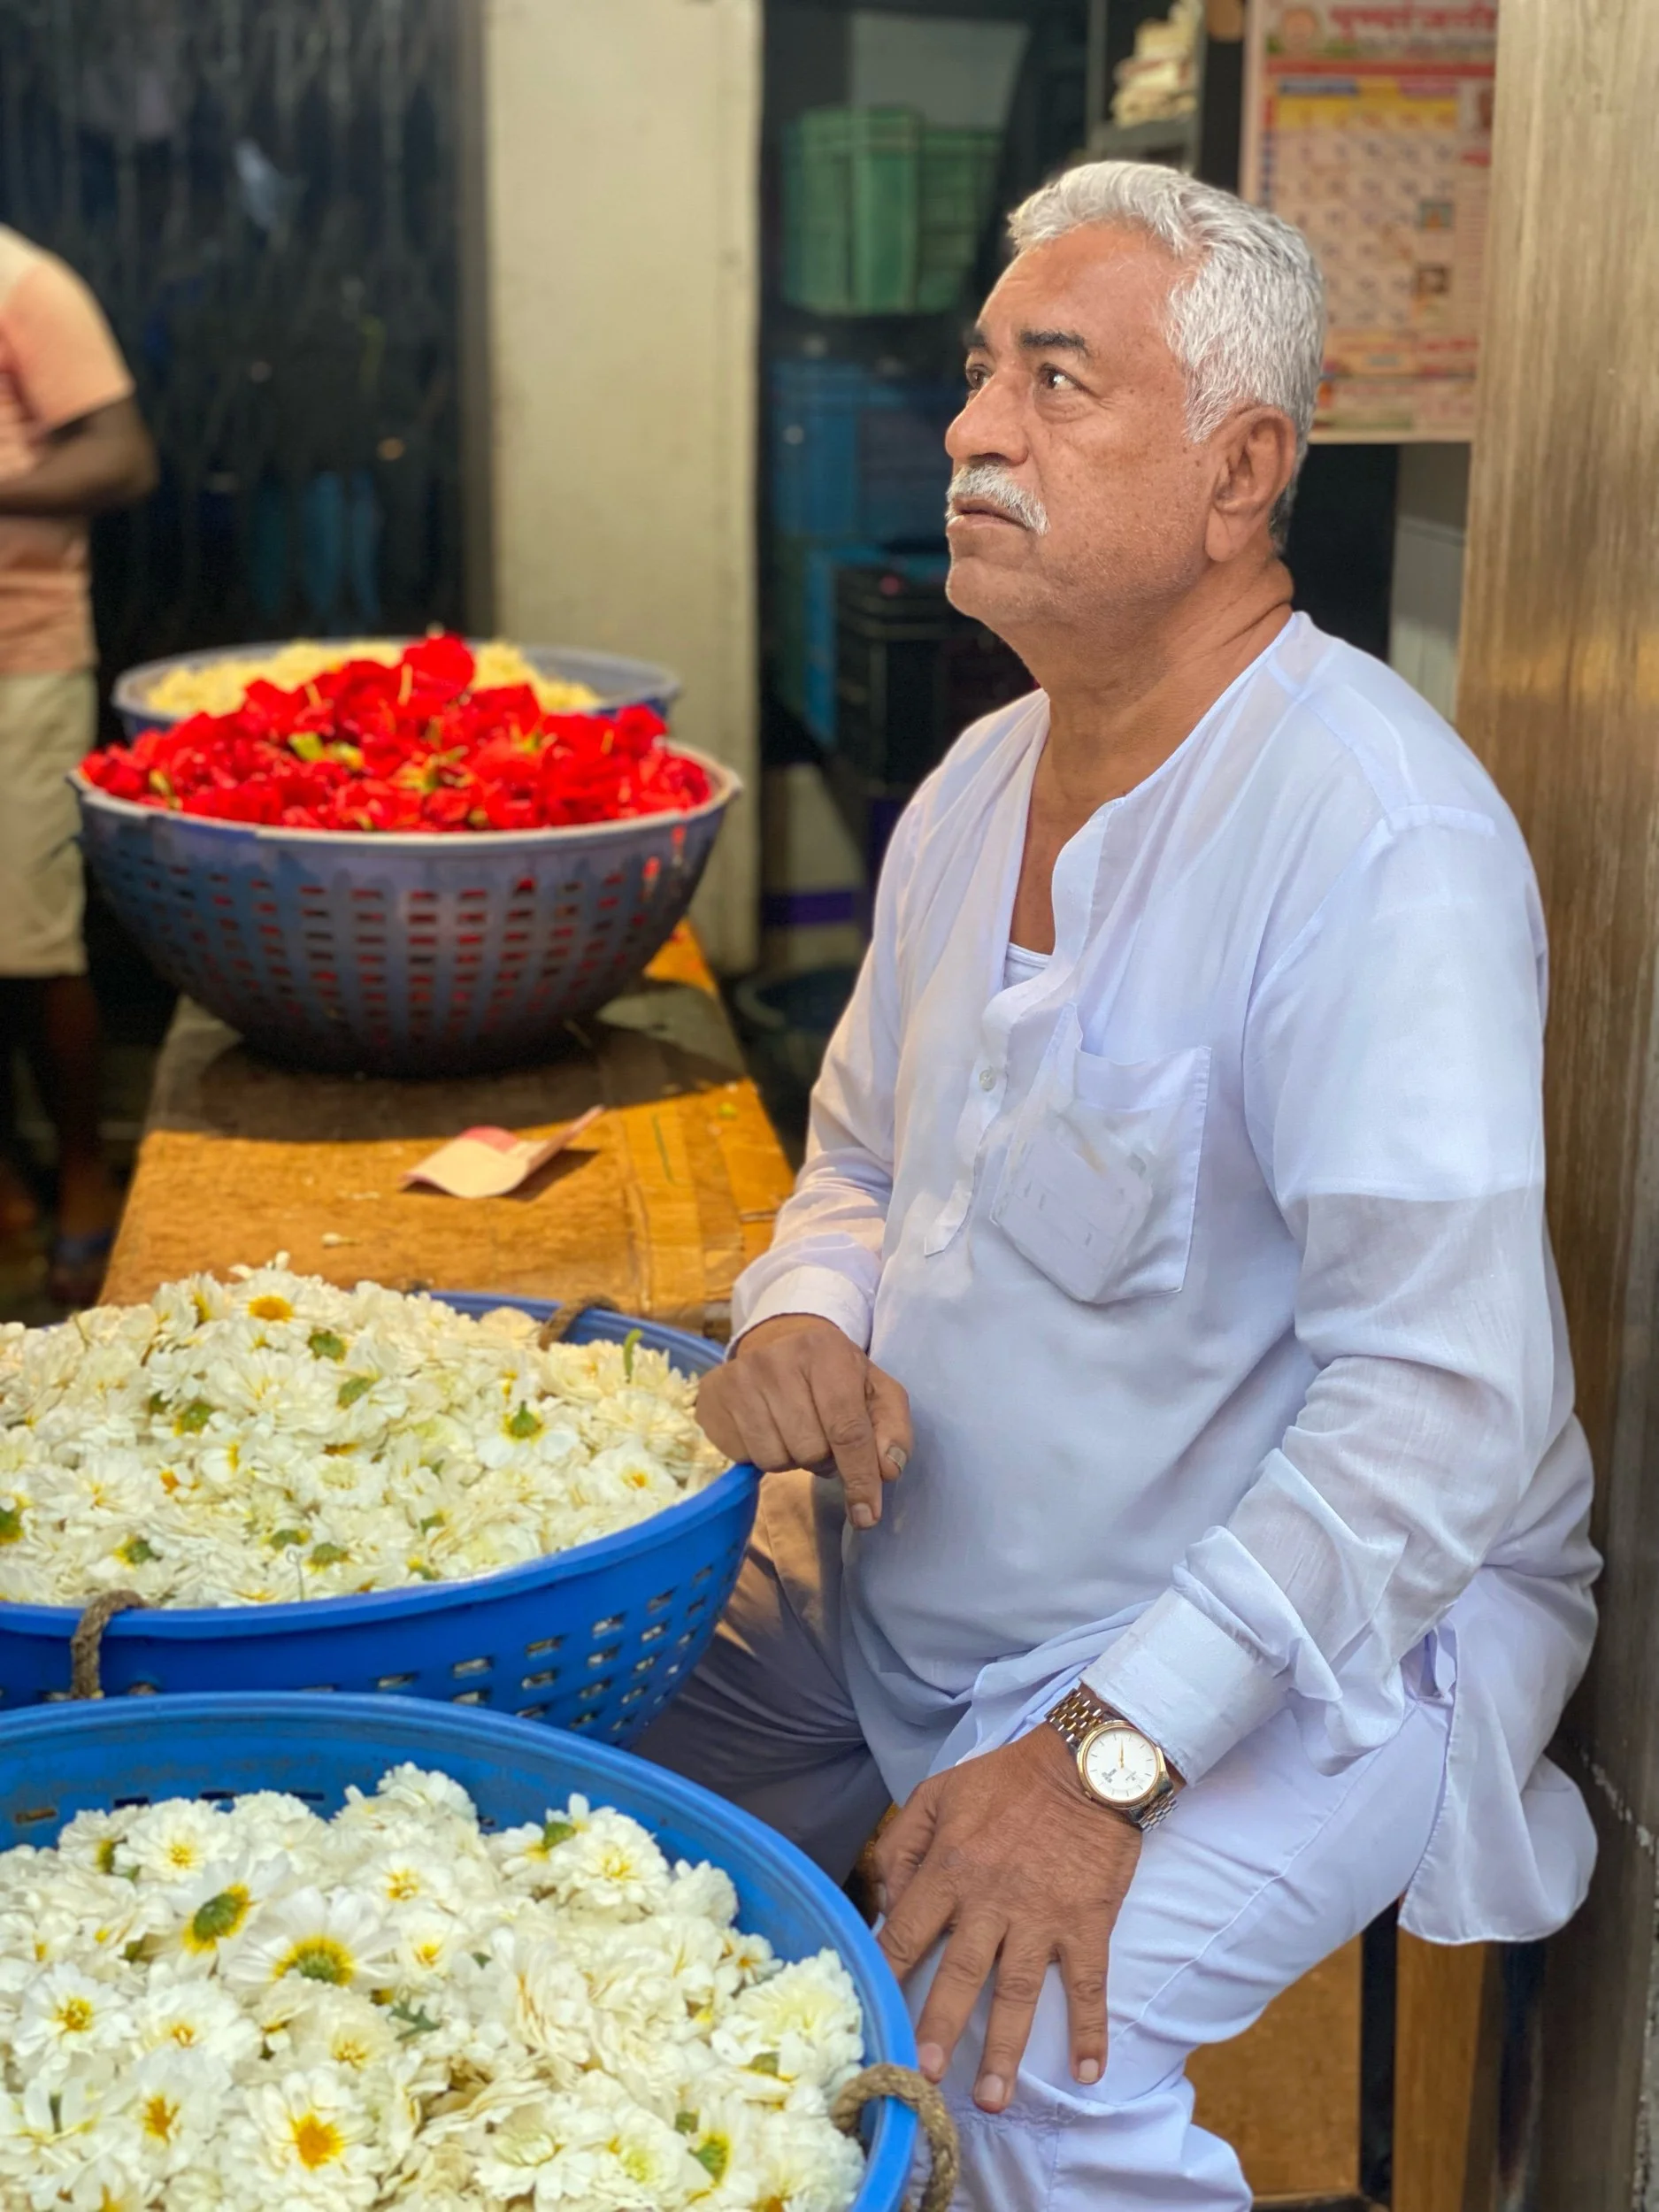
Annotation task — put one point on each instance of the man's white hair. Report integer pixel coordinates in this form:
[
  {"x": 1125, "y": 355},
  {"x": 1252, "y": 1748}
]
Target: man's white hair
[{"x": 1247, "y": 311}]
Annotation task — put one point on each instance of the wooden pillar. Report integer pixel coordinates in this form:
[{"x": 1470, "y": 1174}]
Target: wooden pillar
[{"x": 1559, "y": 694}]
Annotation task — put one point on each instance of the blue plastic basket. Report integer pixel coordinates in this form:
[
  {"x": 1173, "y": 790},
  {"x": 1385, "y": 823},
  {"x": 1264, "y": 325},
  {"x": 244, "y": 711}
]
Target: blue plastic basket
[
  {"x": 619, "y": 682},
  {"x": 858, "y": 456},
  {"x": 597, "y": 1639},
  {"x": 70, "y": 1760},
  {"x": 440, "y": 955}
]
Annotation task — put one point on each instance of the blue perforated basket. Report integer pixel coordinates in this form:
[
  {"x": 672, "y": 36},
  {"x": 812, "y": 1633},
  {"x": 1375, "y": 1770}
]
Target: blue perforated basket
[
  {"x": 56, "y": 1763},
  {"x": 618, "y": 682},
  {"x": 595, "y": 1639},
  {"x": 394, "y": 954}
]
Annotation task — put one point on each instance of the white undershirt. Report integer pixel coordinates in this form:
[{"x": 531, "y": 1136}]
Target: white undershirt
[{"x": 1019, "y": 966}]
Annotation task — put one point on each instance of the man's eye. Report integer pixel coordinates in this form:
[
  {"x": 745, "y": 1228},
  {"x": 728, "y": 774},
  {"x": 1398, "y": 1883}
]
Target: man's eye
[
  {"x": 977, "y": 373},
  {"x": 1054, "y": 378}
]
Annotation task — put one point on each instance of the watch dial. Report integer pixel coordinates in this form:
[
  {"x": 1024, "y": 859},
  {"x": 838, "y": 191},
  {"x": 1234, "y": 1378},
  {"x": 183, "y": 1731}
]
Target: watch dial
[{"x": 1121, "y": 1766}]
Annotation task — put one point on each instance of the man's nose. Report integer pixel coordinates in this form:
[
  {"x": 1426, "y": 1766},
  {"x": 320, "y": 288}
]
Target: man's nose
[{"x": 987, "y": 429}]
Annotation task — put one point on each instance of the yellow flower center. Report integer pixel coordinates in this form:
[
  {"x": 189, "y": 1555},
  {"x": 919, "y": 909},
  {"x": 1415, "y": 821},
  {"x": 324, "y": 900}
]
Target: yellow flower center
[
  {"x": 352, "y": 2051},
  {"x": 403, "y": 1884},
  {"x": 318, "y": 1959},
  {"x": 319, "y": 2142},
  {"x": 269, "y": 1307},
  {"x": 160, "y": 2118},
  {"x": 184, "y": 2034},
  {"x": 428, "y": 1953},
  {"x": 106, "y": 1855},
  {"x": 74, "y": 2016}
]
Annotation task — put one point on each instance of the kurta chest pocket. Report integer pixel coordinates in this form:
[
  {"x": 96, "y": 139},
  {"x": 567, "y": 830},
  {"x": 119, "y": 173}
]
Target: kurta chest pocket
[{"x": 1101, "y": 1175}]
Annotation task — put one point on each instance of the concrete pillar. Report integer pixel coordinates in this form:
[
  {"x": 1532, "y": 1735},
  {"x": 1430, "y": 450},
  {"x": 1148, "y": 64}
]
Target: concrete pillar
[{"x": 615, "y": 175}]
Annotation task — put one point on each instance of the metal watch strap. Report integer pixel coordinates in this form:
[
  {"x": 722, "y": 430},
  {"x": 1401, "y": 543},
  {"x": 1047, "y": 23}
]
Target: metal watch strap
[
  {"x": 1079, "y": 1711},
  {"x": 1078, "y": 1714}
]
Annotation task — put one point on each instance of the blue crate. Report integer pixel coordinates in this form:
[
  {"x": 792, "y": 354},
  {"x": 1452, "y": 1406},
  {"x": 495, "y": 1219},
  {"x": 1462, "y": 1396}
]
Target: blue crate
[
  {"x": 597, "y": 1637},
  {"x": 71, "y": 1759},
  {"x": 856, "y": 456}
]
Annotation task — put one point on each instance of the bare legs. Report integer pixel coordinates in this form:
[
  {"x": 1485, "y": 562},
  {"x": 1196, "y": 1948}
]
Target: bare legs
[{"x": 55, "y": 1020}]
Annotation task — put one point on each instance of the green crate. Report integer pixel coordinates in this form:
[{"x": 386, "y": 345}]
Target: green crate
[
  {"x": 852, "y": 180},
  {"x": 956, "y": 182}
]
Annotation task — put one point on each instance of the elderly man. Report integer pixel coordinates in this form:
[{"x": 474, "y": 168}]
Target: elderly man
[{"x": 1167, "y": 1280}]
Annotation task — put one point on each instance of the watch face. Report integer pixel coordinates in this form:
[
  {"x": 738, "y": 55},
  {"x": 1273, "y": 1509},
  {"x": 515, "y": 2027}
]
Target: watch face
[{"x": 1121, "y": 1766}]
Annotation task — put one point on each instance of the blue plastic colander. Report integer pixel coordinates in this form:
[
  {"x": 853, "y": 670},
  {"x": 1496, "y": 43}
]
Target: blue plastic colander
[
  {"x": 618, "y": 682},
  {"x": 399, "y": 954},
  {"x": 597, "y": 1639},
  {"x": 71, "y": 1759}
]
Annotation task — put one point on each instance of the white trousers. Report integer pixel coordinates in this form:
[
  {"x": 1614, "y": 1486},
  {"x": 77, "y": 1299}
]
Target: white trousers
[{"x": 1260, "y": 1871}]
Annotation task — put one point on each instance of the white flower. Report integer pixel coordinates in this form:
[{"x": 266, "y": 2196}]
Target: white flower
[
  {"x": 199, "y": 2018},
  {"x": 392, "y": 2008},
  {"x": 802, "y": 2023},
  {"x": 338, "y": 1940},
  {"x": 311, "y": 2134},
  {"x": 280, "y": 1440},
  {"x": 608, "y": 1866},
  {"x": 67, "y": 2017},
  {"x": 176, "y": 1842},
  {"x": 168, "y": 2108}
]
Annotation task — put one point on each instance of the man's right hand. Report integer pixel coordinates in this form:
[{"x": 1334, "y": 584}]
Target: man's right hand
[{"x": 797, "y": 1393}]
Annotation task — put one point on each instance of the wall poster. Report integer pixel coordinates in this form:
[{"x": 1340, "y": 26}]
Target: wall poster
[{"x": 1368, "y": 123}]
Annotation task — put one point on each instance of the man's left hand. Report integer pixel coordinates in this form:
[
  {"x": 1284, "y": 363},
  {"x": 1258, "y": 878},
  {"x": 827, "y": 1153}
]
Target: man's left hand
[{"x": 1009, "y": 1855}]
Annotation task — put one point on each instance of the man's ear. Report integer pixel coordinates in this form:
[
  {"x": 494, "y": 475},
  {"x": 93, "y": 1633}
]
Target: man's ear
[{"x": 1256, "y": 458}]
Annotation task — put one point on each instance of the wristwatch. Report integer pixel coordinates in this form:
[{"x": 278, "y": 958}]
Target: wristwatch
[{"x": 1117, "y": 1765}]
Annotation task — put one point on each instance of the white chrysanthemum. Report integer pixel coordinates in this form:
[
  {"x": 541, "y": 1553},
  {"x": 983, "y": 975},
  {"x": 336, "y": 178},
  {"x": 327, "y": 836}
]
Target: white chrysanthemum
[
  {"x": 190, "y": 2013},
  {"x": 802, "y": 2024},
  {"x": 214, "y": 1913},
  {"x": 165, "y": 2111},
  {"x": 279, "y": 1439},
  {"x": 394, "y": 2008},
  {"x": 177, "y": 1841},
  {"x": 338, "y": 1939},
  {"x": 68, "y": 2015},
  {"x": 549, "y": 2153},
  {"x": 310, "y": 2137},
  {"x": 610, "y": 1865}
]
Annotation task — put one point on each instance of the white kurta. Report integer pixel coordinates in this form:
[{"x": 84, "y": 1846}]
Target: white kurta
[{"x": 1213, "y": 1258}]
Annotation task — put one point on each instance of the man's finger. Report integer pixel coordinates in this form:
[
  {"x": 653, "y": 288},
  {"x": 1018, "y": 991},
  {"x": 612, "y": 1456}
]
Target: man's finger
[
  {"x": 912, "y": 1928},
  {"x": 1083, "y": 1961},
  {"x": 838, "y": 1391},
  {"x": 970, "y": 1957},
  {"x": 889, "y": 1406},
  {"x": 902, "y": 1845},
  {"x": 736, "y": 1421},
  {"x": 1020, "y": 1973},
  {"x": 790, "y": 1404}
]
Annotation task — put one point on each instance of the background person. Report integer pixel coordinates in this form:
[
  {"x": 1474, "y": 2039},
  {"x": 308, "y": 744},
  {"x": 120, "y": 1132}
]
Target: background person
[
  {"x": 72, "y": 444},
  {"x": 1168, "y": 1279}
]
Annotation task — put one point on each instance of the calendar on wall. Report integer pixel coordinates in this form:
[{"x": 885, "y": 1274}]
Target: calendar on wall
[{"x": 1370, "y": 126}]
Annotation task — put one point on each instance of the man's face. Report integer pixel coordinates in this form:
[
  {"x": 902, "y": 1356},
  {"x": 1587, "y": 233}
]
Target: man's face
[{"x": 1076, "y": 402}]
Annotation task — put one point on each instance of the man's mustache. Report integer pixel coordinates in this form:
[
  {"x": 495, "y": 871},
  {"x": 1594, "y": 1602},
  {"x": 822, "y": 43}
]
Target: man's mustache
[{"x": 990, "y": 484}]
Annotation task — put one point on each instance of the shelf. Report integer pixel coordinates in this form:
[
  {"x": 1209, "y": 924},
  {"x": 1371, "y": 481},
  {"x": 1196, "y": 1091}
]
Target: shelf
[{"x": 1123, "y": 142}]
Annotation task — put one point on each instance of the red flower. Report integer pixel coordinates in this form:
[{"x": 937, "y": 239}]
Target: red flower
[{"x": 405, "y": 746}]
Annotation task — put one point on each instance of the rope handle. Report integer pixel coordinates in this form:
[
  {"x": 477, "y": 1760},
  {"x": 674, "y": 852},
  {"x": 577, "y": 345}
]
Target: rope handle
[
  {"x": 86, "y": 1644},
  {"x": 915, "y": 2090},
  {"x": 558, "y": 1325}
]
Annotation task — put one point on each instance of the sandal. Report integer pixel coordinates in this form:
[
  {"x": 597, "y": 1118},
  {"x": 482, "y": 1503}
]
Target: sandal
[{"x": 77, "y": 1266}]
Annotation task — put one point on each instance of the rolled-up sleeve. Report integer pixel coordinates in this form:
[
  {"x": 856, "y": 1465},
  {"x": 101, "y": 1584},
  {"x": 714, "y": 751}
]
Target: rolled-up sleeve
[
  {"x": 1393, "y": 1079},
  {"x": 826, "y": 1256}
]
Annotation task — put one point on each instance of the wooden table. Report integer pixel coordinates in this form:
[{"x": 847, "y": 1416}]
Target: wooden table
[{"x": 655, "y": 1208}]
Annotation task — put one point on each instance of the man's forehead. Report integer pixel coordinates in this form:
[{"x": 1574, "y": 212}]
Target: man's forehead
[{"x": 1091, "y": 291}]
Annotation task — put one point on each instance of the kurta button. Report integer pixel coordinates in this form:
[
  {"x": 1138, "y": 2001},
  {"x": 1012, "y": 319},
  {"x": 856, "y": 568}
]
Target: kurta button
[{"x": 988, "y": 1079}]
